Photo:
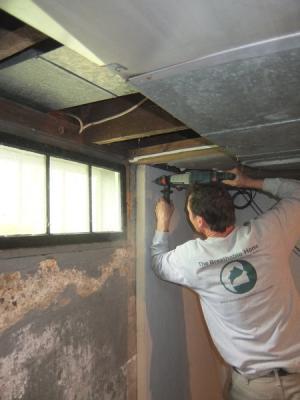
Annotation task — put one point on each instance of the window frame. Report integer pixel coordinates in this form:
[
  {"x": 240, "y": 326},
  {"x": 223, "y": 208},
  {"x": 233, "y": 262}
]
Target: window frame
[{"x": 51, "y": 239}]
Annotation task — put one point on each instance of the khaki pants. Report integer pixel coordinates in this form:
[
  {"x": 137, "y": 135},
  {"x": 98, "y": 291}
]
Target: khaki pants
[{"x": 265, "y": 388}]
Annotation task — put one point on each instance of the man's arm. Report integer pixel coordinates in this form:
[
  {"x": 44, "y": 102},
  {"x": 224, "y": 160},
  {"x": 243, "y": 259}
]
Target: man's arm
[
  {"x": 285, "y": 217},
  {"x": 168, "y": 265},
  {"x": 163, "y": 212}
]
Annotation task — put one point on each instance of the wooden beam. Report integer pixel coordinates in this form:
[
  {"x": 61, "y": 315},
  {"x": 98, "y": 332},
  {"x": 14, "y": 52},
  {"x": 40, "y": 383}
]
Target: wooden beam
[
  {"x": 178, "y": 150},
  {"x": 191, "y": 151},
  {"x": 146, "y": 120},
  {"x": 184, "y": 155},
  {"x": 21, "y": 119},
  {"x": 165, "y": 147},
  {"x": 12, "y": 42},
  {"x": 23, "y": 122}
]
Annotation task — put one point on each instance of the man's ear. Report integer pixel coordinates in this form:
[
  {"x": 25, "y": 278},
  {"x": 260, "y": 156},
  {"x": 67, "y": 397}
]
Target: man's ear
[{"x": 200, "y": 223}]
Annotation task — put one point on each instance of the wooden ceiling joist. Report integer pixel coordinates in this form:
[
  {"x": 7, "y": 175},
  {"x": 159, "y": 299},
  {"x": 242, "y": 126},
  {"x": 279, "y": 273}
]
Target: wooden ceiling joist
[
  {"x": 148, "y": 119},
  {"x": 21, "y": 119},
  {"x": 12, "y": 42},
  {"x": 181, "y": 149}
]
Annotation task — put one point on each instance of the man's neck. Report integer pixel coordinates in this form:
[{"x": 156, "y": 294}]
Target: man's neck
[{"x": 209, "y": 233}]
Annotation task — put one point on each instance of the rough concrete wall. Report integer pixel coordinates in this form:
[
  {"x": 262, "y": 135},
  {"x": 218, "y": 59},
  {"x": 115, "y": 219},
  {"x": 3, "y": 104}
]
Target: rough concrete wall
[{"x": 67, "y": 320}]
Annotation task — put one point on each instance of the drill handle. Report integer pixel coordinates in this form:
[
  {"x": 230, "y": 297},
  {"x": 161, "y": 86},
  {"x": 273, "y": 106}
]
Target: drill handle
[
  {"x": 167, "y": 193},
  {"x": 228, "y": 176}
]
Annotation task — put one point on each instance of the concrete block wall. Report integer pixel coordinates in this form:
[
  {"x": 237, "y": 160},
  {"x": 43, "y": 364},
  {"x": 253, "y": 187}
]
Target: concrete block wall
[{"x": 68, "y": 323}]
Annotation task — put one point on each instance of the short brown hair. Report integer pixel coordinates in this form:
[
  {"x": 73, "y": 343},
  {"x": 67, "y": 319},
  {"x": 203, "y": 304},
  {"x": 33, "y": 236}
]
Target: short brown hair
[{"x": 214, "y": 204}]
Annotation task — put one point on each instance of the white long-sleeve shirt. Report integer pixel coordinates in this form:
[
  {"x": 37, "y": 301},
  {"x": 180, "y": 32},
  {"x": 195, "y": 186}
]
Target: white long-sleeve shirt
[{"x": 244, "y": 283}]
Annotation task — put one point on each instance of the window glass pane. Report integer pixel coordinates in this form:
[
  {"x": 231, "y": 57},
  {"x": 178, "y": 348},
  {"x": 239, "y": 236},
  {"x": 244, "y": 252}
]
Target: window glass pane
[
  {"x": 106, "y": 200},
  {"x": 23, "y": 192},
  {"x": 69, "y": 196}
]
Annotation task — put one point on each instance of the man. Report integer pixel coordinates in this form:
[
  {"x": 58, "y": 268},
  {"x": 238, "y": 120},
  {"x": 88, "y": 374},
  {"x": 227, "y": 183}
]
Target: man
[{"x": 243, "y": 279}]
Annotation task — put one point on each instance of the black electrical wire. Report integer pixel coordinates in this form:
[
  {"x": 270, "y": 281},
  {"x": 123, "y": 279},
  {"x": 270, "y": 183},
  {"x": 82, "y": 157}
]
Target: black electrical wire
[
  {"x": 297, "y": 253},
  {"x": 297, "y": 249},
  {"x": 257, "y": 207},
  {"x": 249, "y": 196}
]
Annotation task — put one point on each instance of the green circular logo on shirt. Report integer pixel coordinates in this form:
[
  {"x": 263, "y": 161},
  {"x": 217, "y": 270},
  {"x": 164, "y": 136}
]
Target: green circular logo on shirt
[{"x": 238, "y": 276}]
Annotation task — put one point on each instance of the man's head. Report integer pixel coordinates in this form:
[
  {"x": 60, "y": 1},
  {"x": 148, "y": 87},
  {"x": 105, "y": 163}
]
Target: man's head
[{"x": 213, "y": 204}]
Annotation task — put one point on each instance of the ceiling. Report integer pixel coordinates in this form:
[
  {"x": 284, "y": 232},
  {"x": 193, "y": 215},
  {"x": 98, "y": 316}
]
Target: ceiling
[{"x": 222, "y": 79}]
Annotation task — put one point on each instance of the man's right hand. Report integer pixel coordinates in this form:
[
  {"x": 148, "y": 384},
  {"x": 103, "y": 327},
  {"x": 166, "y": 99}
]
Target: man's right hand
[{"x": 163, "y": 212}]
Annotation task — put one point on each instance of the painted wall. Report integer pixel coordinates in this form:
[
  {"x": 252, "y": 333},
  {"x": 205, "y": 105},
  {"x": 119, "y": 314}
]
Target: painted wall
[
  {"x": 176, "y": 359},
  {"x": 67, "y": 320},
  {"x": 175, "y": 356}
]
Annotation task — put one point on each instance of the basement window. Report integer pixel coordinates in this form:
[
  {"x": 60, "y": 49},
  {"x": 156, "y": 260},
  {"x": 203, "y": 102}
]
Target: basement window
[
  {"x": 69, "y": 196},
  {"x": 23, "y": 192},
  {"x": 105, "y": 196},
  {"x": 48, "y": 199}
]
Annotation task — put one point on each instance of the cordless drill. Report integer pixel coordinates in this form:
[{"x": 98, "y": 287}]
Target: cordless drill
[{"x": 189, "y": 177}]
